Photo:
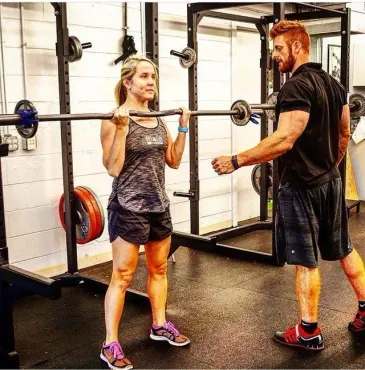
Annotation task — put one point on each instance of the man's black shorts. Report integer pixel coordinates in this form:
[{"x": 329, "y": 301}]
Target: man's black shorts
[
  {"x": 138, "y": 228},
  {"x": 310, "y": 220}
]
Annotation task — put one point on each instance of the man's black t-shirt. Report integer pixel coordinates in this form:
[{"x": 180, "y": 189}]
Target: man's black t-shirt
[{"x": 312, "y": 160}]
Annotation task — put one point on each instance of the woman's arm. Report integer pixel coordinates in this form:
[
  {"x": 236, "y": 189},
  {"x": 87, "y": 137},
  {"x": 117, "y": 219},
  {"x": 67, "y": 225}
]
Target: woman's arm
[
  {"x": 175, "y": 149},
  {"x": 113, "y": 138}
]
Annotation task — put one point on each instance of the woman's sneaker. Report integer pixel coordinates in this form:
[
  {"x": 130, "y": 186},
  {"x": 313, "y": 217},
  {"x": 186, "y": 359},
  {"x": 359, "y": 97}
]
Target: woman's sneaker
[
  {"x": 170, "y": 334},
  {"x": 297, "y": 337},
  {"x": 113, "y": 355},
  {"x": 358, "y": 324}
]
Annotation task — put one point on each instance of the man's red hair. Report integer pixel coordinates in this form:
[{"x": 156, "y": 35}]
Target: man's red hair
[{"x": 292, "y": 31}]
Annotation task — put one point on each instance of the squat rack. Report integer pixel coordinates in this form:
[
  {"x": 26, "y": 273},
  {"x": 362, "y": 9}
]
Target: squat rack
[{"x": 195, "y": 13}]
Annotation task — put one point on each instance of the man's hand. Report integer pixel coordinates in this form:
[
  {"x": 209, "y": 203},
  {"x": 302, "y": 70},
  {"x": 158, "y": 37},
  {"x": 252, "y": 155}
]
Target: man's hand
[{"x": 223, "y": 165}]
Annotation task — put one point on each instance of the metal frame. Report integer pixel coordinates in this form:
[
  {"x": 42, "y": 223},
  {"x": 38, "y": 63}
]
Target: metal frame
[
  {"x": 62, "y": 51},
  {"x": 195, "y": 13},
  {"x": 151, "y": 20}
]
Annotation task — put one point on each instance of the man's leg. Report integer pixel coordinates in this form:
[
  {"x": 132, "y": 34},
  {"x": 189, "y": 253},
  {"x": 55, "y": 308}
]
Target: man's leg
[
  {"x": 353, "y": 267},
  {"x": 307, "y": 334},
  {"x": 308, "y": 287},
  {"x": 297, "y": 230}
]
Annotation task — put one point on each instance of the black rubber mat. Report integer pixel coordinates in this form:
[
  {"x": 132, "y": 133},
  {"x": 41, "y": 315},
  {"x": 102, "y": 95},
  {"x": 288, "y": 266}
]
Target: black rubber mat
[{"x": 229, "y": 309}]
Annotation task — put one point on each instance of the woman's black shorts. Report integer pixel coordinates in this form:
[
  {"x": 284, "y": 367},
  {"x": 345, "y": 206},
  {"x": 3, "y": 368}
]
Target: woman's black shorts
[{"x": 138, "y": 228}]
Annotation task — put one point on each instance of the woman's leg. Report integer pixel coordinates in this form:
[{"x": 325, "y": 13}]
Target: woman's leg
[
  {"x": 156, "y": 256},
  {"x": 125, "y": 260}
]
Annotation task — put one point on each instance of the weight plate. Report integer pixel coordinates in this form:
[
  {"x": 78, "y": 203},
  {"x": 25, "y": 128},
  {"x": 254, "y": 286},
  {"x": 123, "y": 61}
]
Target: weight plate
[
  {"x": 192, "y": 58},
  {"x": 86, "y": 221},
  {"x": 357, "y": 109},
  {"x": 98, "y": 208},
  {"x": 244, "y": 115},
  {"x": 271, "y": 99},
  {"x": 256, "y": 178},
  {"x": 75, "y": 49},
  {"x": 29, "y": 130}
]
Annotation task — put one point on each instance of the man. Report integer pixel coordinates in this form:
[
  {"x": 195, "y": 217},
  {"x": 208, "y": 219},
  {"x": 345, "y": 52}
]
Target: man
[{"x": 311, "y": 140}]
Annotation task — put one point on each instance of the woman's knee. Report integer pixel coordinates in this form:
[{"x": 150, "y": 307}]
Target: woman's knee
[
  {"x": 158, "y": 270},
  {"x": 122, "y": 277}
]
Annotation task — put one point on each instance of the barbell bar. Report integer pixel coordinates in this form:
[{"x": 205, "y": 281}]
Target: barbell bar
[{"x": 26, "y": 118}]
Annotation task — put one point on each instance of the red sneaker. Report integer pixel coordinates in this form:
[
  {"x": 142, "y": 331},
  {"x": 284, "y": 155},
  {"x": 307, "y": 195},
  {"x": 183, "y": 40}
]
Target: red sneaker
[
  {"x": 358, "y": 324},
  {"x": 297, "y": 337}
]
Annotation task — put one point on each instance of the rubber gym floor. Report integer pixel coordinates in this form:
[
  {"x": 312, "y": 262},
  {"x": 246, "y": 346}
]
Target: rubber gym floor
[{"x": 229, "y": 309}]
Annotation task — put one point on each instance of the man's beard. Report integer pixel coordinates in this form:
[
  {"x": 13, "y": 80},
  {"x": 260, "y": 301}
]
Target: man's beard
[{"x": 288, "y": 65}]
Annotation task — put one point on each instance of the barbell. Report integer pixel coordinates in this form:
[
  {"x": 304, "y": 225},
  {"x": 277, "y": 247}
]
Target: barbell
[{"x": 26, "y": 117}]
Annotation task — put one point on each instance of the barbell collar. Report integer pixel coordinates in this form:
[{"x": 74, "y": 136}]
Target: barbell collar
[{"x": 355, "y": 105}]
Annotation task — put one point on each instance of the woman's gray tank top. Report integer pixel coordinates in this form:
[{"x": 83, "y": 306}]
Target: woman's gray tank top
[{"x": 140, "y": 187}]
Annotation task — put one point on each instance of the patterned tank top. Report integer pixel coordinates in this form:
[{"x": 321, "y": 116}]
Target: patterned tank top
[{"x": 140, "y": 187}]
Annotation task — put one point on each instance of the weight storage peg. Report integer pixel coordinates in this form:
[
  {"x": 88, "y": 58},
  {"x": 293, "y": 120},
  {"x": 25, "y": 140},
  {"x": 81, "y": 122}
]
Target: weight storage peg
[
  {"x": 75, "y": 48},
  {"x": 187, "y": 57}
]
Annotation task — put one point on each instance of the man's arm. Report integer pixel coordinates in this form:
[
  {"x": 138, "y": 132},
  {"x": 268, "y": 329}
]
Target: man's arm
[
  {"x": 345, "y": 133},
  {"x": 291, "y": 125}
]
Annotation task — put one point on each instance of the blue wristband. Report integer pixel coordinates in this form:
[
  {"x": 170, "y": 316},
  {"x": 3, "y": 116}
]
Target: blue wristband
[
  {"x": 183, "y": 129},
  {"x": 235, "y": 162}
]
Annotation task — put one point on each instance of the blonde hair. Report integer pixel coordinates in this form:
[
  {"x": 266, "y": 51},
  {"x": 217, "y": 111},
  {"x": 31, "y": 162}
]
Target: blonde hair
[{"x": 128, "y": 71}]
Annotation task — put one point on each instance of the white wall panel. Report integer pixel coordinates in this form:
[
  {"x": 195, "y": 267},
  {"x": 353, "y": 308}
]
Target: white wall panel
[
  {"x": 32, "y": 194},
  {"x": 34, "y": 168}
]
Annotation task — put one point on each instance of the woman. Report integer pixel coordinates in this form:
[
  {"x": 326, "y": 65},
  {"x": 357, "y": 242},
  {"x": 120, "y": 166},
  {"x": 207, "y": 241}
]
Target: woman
[{"x": 135, "y": 151}]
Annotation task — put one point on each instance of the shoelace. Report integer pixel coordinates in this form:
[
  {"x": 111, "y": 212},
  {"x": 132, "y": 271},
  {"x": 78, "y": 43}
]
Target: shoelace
[
  {"x": 291, "y": 335},
  {"x": 117, "y": 351},
  {"x": 170, "y": 327}
]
